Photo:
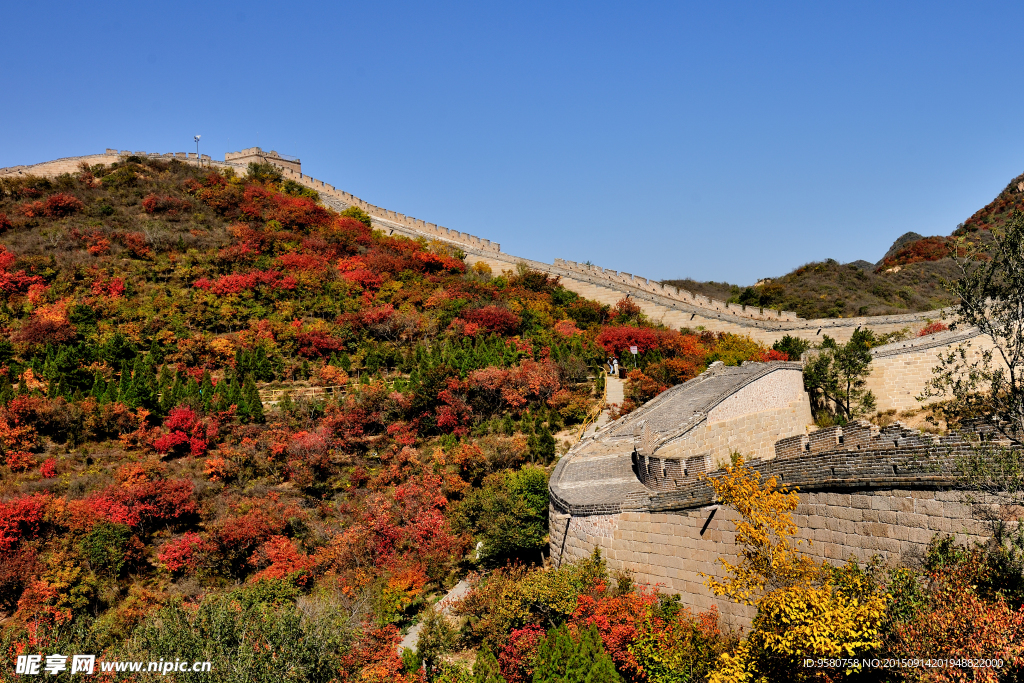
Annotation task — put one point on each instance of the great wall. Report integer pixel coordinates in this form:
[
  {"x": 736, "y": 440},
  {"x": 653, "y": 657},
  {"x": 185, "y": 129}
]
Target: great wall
[{"x": 633, "y": 488}]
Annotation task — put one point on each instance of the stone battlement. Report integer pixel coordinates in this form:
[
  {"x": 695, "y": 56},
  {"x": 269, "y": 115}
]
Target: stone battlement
[{"x": 257, "y": 155}]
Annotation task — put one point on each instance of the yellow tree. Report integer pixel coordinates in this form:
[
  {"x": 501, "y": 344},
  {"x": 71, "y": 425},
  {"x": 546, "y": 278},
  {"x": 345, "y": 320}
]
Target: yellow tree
[{"x": 805, "y": 609}]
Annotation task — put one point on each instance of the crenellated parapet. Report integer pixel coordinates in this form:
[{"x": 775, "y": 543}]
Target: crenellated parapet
[
  {"x": 682, "y": 295},
  {"x": 389, "y": 221}
]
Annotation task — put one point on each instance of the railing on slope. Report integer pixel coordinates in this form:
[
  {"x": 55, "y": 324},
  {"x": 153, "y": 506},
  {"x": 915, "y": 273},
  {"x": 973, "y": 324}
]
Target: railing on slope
[{"x": 275, "y": 395}]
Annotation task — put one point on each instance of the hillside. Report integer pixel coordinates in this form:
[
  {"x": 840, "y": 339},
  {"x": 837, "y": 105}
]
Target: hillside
[
  {"x": 227, "y": 407},
  {"x": 908, "y": 278}
]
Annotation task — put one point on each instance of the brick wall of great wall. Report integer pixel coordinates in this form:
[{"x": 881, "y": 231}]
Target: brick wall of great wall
[
  {"x": 863, "y": 492},
  {"x": 754, "y": 434}
]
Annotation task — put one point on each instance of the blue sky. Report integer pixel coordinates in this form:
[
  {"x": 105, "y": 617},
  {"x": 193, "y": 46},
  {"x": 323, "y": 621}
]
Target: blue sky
[{"x": 726, "y": 141}]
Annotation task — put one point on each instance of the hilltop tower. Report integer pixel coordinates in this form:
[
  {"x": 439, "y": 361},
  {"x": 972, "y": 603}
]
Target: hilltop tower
[{"x": 257, "y": 155}]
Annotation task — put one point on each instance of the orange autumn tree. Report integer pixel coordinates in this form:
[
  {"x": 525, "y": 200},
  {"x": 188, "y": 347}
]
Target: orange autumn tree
[{"x": 805, "y": 609}]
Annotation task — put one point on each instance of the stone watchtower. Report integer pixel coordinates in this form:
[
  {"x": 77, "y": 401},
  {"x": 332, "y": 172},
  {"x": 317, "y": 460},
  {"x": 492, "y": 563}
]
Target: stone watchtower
[{"x": 256, "y": 155}]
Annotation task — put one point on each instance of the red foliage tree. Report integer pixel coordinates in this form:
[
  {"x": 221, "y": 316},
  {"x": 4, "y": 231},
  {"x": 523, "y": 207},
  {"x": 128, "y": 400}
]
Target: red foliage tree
[
  {"x": 49, "y": 468},
  {"x": 303, "y": 262},
  {"x": 517, "y": 658},
  {"x": 237, "y": 537},
  {"x": 37, "y": 331},
  {"x": 626, "y": 310},
  {"x": 135, "y": 242},
  {"x": 768, "y": 355},
  {"x": 145, "y": 504},
  {"x": 957, "y": 621},
  {"x": 20, "y": 461},
  {"x": 236, "y": 283},
  {"x": 12, "y": 283},
  {"x": 617, "y": 340},
  {"x": 299, "y": 212},
  {"x": 282, "y": 560},
  {"x": 640, "y": 388},
  {"x": 399, "y": 528},
  {"x": 932, "y": 328},
  {"x": 618, "y": 619},
  {"x": 165, "y": 204},
  {"x": 435, "y": 263},
  {"x": 60, "y": 205},
  {"x": 516, "y": 386},
  {"x": 17, "y": 570},
  {"x": 374, "y": 657},
  {"x": 317, "y": 344},
  {"x": 21, "y": 518},
  {"x": 113, "y": 287},
  {"x": 215, "y": 191},
  {"x": 494, "y": 318},
  {"x": 186, "y": 431},
  {"x": 346, "y": 235},
  {"x": 183, "y": 554}
]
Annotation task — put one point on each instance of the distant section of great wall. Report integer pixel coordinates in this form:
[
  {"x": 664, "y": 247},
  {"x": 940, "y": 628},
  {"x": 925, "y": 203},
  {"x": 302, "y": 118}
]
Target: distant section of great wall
[{"x": 893, "y": 367}]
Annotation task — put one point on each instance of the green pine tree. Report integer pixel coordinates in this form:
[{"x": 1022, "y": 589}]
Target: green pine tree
[
  {"x": 222, "y": 392},
  {"x": 110, "y": 395},
  {"x": 191, "y": 392},
  {"x": 206, "y": 390},
  {"x": 6, "y": 390},
  {"x": 563, "y": 659},
  {"x": 486, "y": 669},
  {"x": 123, "y": 383},
  {"x": 542, "y": 445},
  {"x": 99, "y": 387},
  {"x": 553, "y": 654},
  {"x": 590, "y": 663},
  {"x": 235, "y": 393},
  {"x": 253, "y": 401}
]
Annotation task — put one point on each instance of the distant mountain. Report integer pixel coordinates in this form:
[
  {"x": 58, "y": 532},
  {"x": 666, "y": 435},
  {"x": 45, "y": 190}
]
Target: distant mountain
[
  {"x": 902, "y": 241},
  {"x": 908, "y": 278}
]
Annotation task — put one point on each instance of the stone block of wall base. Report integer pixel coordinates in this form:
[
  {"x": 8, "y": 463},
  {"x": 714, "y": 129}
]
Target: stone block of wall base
[{"x": 675, "y": 549}]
